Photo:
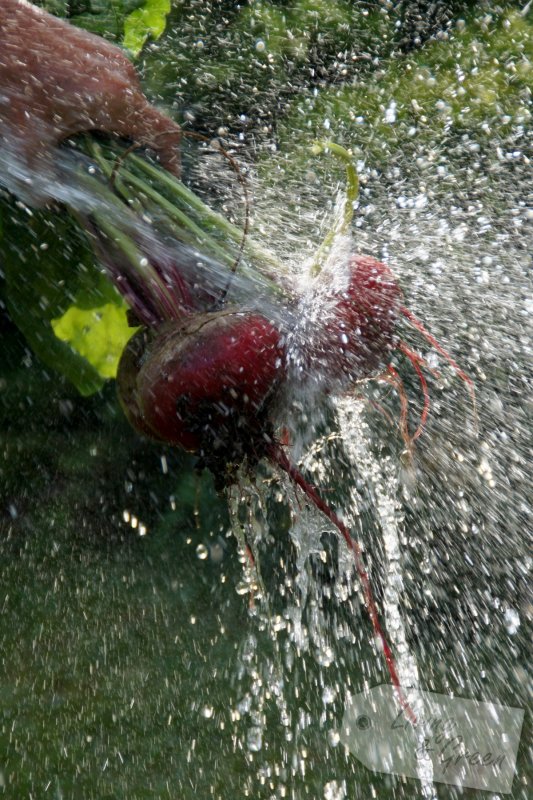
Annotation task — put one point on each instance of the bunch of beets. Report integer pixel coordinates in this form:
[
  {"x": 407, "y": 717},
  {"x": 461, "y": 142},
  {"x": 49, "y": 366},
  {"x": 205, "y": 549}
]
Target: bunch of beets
[
  {"x": 211, "y": 382},
  {"x": 215, "y": 380}
]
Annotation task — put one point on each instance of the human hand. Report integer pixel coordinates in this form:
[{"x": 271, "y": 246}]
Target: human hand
[{"x": 56, "y": 81}]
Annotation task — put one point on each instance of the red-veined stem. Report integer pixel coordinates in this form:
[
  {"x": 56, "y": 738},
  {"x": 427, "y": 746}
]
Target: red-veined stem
[{"x": 394, "y": 379}]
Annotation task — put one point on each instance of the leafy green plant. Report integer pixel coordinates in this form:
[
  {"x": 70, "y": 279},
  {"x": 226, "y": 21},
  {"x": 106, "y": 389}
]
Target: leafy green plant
[
  {"x": 111, "y": 18},
  {"x": 475, "y": 81}
]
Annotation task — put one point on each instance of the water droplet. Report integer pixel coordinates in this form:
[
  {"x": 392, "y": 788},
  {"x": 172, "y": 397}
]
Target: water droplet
[
  {"x": 333, "y": 790},
  {"x": 328, "y": 695},
  {"x": 333, "y": 738},
  {"x": 202, "y": 552},
  {"x": 512, "y": 621},
  {"x": 254, "y": 739},
  {"x": 390, "y": 113}
]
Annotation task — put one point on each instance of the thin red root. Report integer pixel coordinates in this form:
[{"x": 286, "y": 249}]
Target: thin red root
[
  {"x": 249, "y": 555},
  {"x": 383, "y": 411},
  {"x": 434, "y": 343},
  {"x": 279, "y": 457},
  {"x": 416, "y": 360},
  {"x": 395, "y": 380},
  {"x": 285, "y": 437},
  {"x": 244, "y": 186}
]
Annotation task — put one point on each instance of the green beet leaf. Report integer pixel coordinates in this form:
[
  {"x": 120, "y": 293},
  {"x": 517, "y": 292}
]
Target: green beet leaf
[
  {"x": 103, "y": 17},
  {"x": 148, "y": 21},
  {"x": 52, "y": 282},
  {"x": 99, "y": 335}
]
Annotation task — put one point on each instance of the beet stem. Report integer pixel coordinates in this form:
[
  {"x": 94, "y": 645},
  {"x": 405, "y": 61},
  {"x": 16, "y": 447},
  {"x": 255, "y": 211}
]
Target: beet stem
[
  {"x": 352, "y": 193},
  {"x": 280, "y": 458}
]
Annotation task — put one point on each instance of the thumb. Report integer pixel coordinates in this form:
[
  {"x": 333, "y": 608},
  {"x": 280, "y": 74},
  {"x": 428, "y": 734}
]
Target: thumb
[{"x": 153, "y": 129}]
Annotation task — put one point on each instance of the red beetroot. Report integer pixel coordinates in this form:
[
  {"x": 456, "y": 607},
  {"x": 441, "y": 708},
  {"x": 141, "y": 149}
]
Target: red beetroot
[
  {"x": 359, "y": 336},
  {"x": 128, "y": 370},
  {"x": 205, "y": 385},
  {"x": 357, "y": 341}
]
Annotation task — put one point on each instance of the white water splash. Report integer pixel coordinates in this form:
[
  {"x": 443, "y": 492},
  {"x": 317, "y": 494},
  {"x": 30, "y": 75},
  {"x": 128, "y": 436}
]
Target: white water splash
[{"x": 383, "y": 478}]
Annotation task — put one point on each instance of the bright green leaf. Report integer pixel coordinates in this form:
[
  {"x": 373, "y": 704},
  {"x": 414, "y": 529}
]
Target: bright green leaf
[
  {"x": 99, "y": 335},
  {"x": 150, "y": 20},
  {"x": 49, "y": 267}
]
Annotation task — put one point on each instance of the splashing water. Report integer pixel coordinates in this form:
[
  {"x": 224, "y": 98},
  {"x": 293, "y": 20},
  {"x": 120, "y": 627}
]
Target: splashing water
[
  {"x": 383, "y": 479},
  {"x": 409, "y": 504},
  {"x": 304, "y": 629},
  {"x": 161, "y": 261},
  {"x": 308, "y": 644}
]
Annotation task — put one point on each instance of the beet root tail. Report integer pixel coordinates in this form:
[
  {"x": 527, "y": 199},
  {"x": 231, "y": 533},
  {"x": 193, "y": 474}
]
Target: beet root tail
[
  {"x": 280, "y": 458},
  {"x": 440, "y": 349}
]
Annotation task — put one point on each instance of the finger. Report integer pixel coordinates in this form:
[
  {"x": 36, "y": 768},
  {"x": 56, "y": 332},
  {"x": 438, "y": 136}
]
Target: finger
[{"x": 149, "y": 127}]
